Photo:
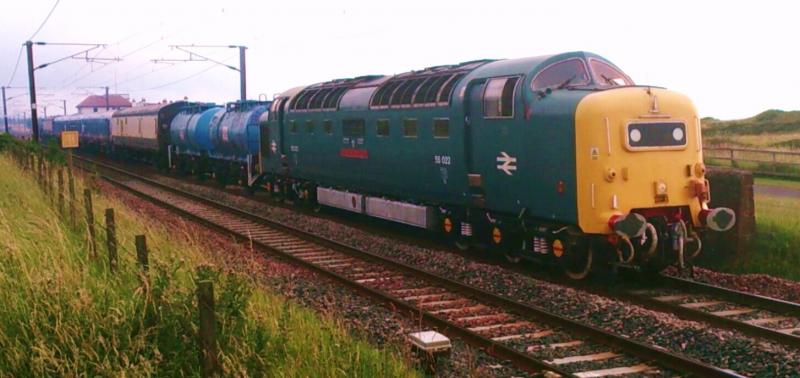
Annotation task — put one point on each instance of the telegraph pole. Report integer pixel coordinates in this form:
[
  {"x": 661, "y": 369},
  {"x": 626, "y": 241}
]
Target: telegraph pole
[
  {"x": 242, "y": 73},
  {"x": 65, "y": 106},
  {"x": 5, "y": 111},
  {"x": 106, "y": 98},
  {"x": 32, "y": 89}
]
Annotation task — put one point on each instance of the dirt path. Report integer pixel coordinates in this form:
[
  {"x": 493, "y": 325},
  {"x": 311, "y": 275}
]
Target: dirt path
[{"x": 776, "y": 191}]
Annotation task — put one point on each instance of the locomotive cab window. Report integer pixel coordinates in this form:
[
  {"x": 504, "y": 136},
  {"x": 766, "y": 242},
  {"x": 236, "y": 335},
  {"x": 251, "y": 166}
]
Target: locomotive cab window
[
  {"x": 570, "y": 72},
  {"x": 382, "y": 128},
  {"x": 498, "y": 97},
  {"x": 410, "y": 129},
  {"x": 606, "y": 75}
]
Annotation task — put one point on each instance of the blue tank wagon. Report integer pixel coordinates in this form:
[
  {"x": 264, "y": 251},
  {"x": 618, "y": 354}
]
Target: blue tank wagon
[
  {"x": 236, "y": 142},
  {"x": 558, "y": 158},
  {"x": 190, "y": 138}
]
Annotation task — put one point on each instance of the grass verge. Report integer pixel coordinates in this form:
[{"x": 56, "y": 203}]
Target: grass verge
[
  {"x": 775, "y": 249},
  {"x": 65, "y": 313}
]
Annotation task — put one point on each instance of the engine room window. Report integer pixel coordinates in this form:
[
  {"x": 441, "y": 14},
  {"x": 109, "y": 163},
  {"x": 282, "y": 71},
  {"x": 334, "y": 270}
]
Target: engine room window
[
  {"x": 382, "y": 127},
  {"x": 561, "y": 74},
  {"x": 310, "y": 126},
  {"x": 293, "y": 127},
  {"x": 441, "y": 128},
  {"x": 605, "y": 75},
  {"x": 448, "y": 88},
  {"x": 498, "y": 97},
  {"x": 327, "y": 125},
  {"x": 410, "y": 129},
  {"x": 353, "y": 128}
]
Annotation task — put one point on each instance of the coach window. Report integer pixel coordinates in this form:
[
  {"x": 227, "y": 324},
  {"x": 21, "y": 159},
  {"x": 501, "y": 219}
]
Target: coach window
[
  {"x": 570, "y": 72},
  {"x": 310, "y": 126},
  {"x": 382, "y": 128},
  {"x": 410, "y": 129},
  {"x": 498, "y": 97},
  {"x": 441, "y": 128},
  {"x": 327, "y": 125},
  {"x": 293, "y": 127}
]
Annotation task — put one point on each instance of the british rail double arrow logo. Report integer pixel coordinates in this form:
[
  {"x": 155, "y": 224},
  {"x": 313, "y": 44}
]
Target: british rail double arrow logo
[{"x": 507, "y": 163}]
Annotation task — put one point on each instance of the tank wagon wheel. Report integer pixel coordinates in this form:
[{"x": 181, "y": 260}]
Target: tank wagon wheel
[{"x": 577, "y": 260}]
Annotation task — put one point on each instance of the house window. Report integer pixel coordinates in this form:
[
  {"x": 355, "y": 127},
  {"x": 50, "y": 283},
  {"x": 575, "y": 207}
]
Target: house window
[
  {"x": 498, "y": 97},
  {"x": 382, "y": 128},
  {"x": 441, "y": 128},
  {"x": 410, "y": 129},
  {"x": 94, "y": 110}
]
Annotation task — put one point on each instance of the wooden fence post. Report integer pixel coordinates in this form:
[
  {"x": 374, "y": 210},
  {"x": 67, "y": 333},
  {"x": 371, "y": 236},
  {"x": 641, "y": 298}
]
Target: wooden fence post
[
  {"x": 40, "y": 173},
  {"x": 111, "y": 239},
  {"x": 71, "y": 197},
  {"x": 87, "y": 202},
  {"x": 208, "y": 329},
  {"x": 61, "y": 190},
  {"x": 141, "y": 253}
]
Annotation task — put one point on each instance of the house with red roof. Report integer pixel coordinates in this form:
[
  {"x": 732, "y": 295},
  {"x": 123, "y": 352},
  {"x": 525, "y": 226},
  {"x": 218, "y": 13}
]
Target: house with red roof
[{"x": 93, "y": 104}]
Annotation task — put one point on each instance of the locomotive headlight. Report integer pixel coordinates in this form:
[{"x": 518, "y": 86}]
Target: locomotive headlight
[
  {"x": 635, "y": 135},
  {"x": 677, "y": 134}
]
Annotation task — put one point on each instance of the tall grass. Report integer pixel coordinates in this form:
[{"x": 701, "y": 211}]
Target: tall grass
[{"x": 63, "y": 313}]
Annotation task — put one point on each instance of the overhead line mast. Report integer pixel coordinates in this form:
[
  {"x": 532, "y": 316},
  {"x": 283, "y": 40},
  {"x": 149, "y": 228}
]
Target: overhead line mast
[{"x": 195, "y": 57}]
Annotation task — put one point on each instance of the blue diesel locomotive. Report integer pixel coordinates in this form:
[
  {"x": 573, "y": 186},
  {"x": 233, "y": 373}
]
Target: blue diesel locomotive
[{"x": 558, "y": 158}]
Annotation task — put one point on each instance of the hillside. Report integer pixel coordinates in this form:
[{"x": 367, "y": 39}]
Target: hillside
[{"x": 772, "y": 128}]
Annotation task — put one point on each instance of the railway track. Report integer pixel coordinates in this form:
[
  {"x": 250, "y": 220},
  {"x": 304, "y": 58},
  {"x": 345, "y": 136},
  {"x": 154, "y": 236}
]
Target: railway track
[
  {"x": 529, "y": 337},
  {"x": 751, "y": 314}
]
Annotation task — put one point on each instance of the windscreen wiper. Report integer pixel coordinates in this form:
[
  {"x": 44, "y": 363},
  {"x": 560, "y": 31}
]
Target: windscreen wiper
[{"x": 566, "y": 82}]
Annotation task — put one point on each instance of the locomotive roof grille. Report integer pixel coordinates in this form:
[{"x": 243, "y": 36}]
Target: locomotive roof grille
[{"x": 418, "y": 90}]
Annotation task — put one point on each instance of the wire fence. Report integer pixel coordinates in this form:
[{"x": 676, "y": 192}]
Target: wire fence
[{"x": 59, "y": 183}]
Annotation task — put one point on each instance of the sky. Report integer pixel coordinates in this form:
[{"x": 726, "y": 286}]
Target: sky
[{"x": 734, "y": 59}]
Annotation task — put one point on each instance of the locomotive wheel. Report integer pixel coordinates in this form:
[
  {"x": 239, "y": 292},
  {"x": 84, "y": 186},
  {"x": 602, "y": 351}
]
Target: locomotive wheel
[
  {"x": 577, "y": 262},
  {"x": 513, "y": 256},
  {"x": 462, "y": 244}
]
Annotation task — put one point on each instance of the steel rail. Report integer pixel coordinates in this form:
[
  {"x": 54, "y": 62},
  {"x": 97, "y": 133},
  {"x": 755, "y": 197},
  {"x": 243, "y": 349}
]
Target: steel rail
[{"x": 643, "y": 351}]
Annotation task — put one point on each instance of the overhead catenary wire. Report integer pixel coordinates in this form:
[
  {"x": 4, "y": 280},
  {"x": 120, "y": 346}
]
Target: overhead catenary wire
[
  {"x": 45, "y": 20},
  {"x": 209, "y": 68},
  {"x": 16, "y": 66}
]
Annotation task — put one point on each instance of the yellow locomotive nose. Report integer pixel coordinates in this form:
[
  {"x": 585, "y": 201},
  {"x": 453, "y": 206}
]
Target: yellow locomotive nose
[{"x": 638, "y": 149}]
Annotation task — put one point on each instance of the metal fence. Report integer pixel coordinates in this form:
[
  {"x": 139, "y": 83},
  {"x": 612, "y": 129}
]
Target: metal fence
[{"x": 764, "y": 161}]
